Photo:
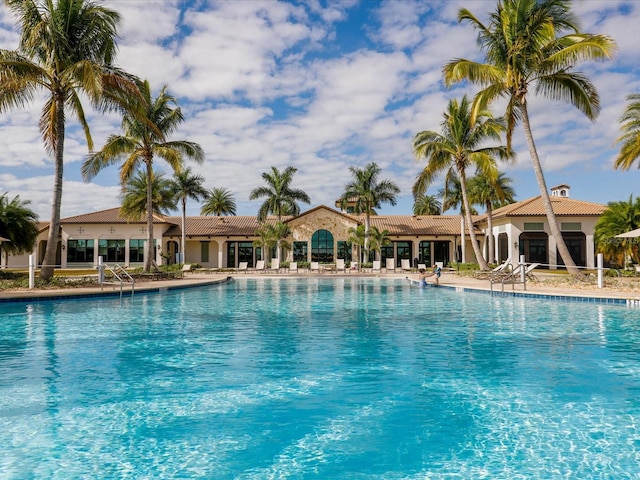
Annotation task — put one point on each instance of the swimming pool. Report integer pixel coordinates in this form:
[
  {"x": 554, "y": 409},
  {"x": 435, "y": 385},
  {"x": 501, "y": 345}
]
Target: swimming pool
[{"x": 351, "y": 378}]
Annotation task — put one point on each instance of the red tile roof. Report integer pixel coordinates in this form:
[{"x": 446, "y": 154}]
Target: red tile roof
[{"x": 562, "y": 206}]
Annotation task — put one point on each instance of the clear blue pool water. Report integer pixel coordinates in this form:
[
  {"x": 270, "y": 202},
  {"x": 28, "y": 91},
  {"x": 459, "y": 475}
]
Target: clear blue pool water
[{"x": 319, "y": 378}]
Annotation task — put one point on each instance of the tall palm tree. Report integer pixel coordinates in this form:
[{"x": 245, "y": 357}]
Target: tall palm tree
[
  {"x": 525, "y": 46},
  {"x": 144, "y": 139},
  {"x": 451, "y": 195},
  {"x": 187, "y": 185},
  {"x": 18, "y": 224},
  {"x": 630, "y": 139},
  {"x": 219, "y": 201},
  {"x": 368, "y": 194},
  {"x": 66, "y": 50},
  {"x": 492, "y": 192},
  {"x": 619, "y": 217},
  {"x": 460, "y": 145},
  {"x": 427, "y": 205},
  {"x": 281, "y": 199},
  {"x": 134, "y": 196}
]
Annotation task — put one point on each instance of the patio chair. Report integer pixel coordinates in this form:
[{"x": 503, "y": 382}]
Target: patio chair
[
  {"x": 340, "y": 265},
  {"x": 293, "y": 267},
  {"x": 314, "y": 267},
  {"x": 243, "y": 267},
  {"x": 275, "y": 265},
  {"x": 405, "y": 265},
  {"x": 502, "y": 268},
  {"x": 422, "y": 266},
  {"x": 376, "y": 266},
  {"x": 259, "y": 266},
  {"x": 390, "y": 264},
  {"x": 186, "y": 268}
]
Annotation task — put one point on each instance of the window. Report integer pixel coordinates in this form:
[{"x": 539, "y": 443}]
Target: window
[
  {"x": 424, "y": 253},
  {"x": 534, "y": 227},
  {"x": 111, "y": 250},
  {"x": 204, "y": 252},
  {"x": 571, "y": 226},
  {"x": 231, "y": 254},
  {"x": 322, "y": 246},
  {"x": 245, "y": 253},
  {"x": 80, "y": 251},
  {"x": 403, "y": 251},
  {"x": 386, "y": 252},
  {"x": 300, "y": 250},
  {"x": 136, "y": 250}
]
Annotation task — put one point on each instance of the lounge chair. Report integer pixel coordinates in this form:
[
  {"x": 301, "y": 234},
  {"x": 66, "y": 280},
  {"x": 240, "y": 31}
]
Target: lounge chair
[
  {"x": 515, "y": 276},
  {"x": 340, "y": 265},
  {"x": 405, "y": 265},
  {"x": 186, "y": 268},
  {"x": 502, "y": 268},
  {"x": 314, "y": 267},
  {"x": 259, "y": 266},
  {"x": 376, "y": 266},
  {"x": 243, "y": 267},
  {"x": 293, "y": 267},
  {"x": 422, "y": 266},
  {"x": 275, "y": 265},
  {"x": 390, "y": 264}
]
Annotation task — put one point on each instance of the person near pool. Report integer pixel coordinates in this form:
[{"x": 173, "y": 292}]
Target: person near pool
[
  {"x": 437, "y": 271},
  {"x": 422, "y": 278}
]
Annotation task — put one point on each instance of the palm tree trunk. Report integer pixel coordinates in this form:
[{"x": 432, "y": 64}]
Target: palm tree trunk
[
  {"x": 467, "y": 214},
  {"x": 183, "y": 251},
  {"x": 367, "y": 226},
  {"x": 544, "y": 195},
  {"x": 149, "y": 257},
  {"x": 492, "y": 250},
  {"x": 48, "y": 263}
]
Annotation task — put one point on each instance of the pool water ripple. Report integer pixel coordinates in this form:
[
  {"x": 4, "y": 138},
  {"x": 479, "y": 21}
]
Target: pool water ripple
[{"x": 320, "y": 378}]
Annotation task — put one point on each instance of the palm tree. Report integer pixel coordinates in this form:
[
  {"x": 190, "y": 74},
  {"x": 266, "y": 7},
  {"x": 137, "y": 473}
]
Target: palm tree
[
  {"x": 356, "y": 237},
  {"x": 524, "y": 47},
  {"x": 619, "y": 217},
  {"x": 18, "y": 224},
  {"x": 266, "y": 239},
  {"x": 281, "y": 199},
  {"x": 219, "y": 201},
  {"x": 378, "y": 239},
  {"x": 630, "y": 139},
  {"x": 144, "y": 139},
  {"x": 427, "y": 205},
  {"x": 187, "y": 185},
  {"x": 134, "y": 196},
  {"x": 66, "y": 50},
  {"x": 368, "y": 194},
  {"x": 460, "y": 145},
  {"x": 492, "y": 192},
  {"x": 451, "y": 195}
]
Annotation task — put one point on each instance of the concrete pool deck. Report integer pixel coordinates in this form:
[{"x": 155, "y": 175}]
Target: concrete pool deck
[{"x": 544, "y": 287}]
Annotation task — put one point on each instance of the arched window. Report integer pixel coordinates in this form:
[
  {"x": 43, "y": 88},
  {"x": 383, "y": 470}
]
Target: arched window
[{"x": 322, "y": 246}]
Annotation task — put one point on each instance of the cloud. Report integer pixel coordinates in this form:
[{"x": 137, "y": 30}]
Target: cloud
[{"x": 318, "y": 85}]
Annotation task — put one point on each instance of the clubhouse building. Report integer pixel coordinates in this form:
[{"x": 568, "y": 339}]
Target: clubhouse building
[{"x": 322, "y": 234}]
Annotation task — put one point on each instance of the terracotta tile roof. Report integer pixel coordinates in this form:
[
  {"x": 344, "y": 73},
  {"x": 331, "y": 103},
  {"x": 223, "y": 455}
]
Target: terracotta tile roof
[
  {"x": 111, "y": 215},
  {"x": 562, "y": 206},
  {"x": 216, "y": 226},
  {"x": 419, "y": 224}
]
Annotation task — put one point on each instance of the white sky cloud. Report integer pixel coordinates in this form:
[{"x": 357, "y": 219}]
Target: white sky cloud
[{"x": 320, "y": 86}]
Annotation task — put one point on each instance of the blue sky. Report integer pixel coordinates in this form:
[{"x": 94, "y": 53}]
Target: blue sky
[{"x": 321, "y": 86}]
